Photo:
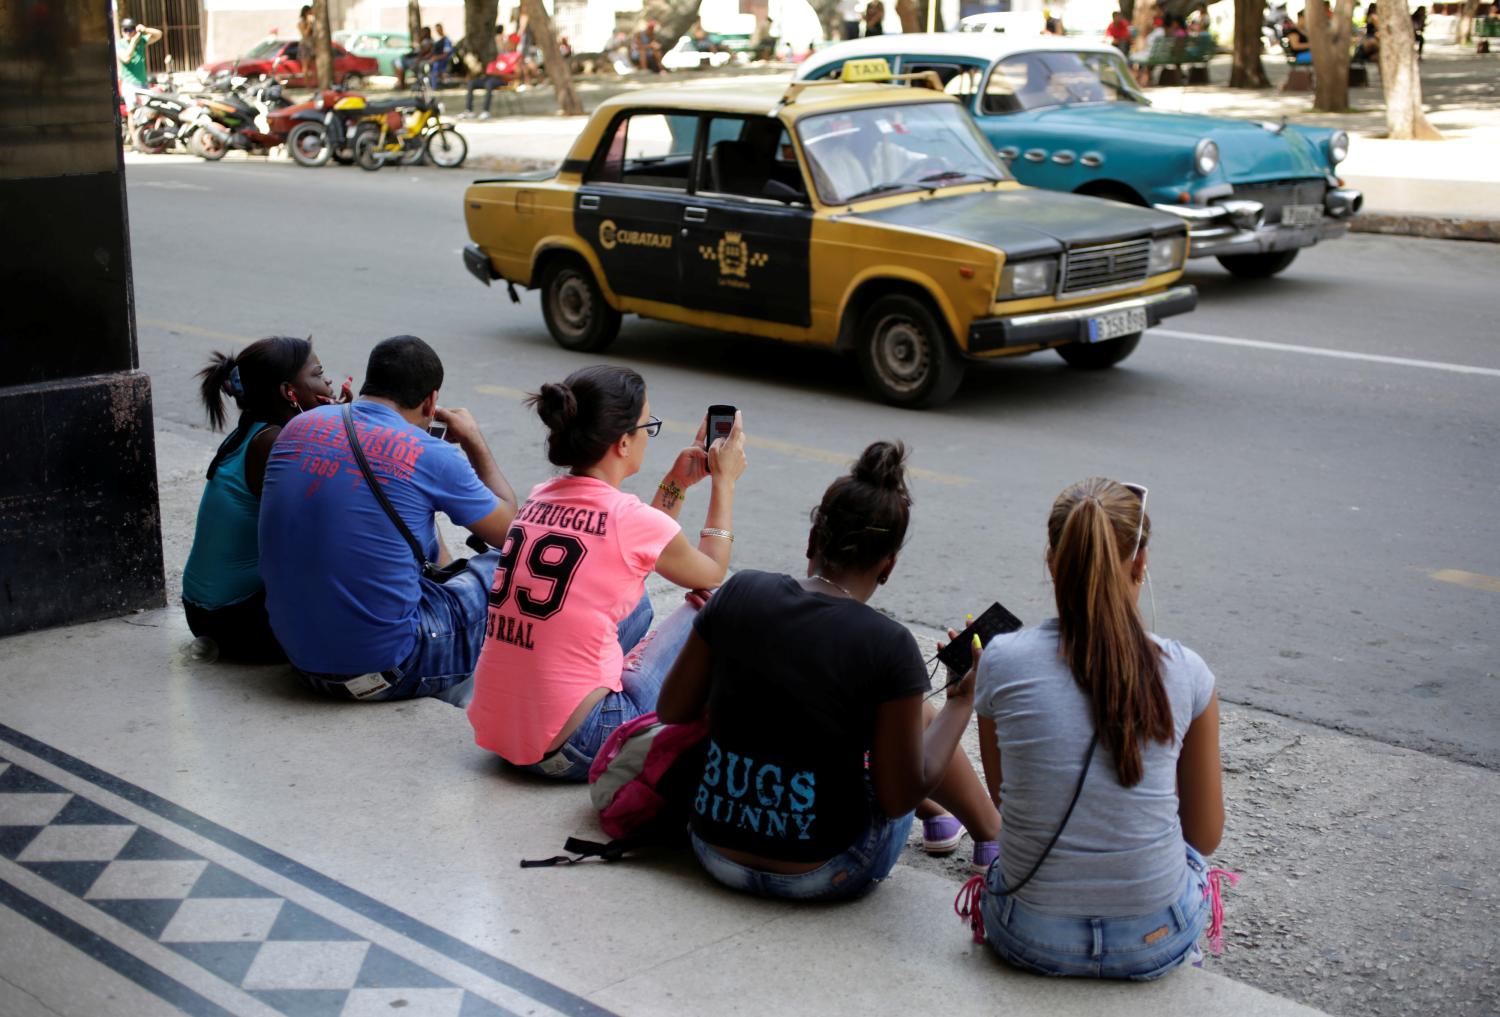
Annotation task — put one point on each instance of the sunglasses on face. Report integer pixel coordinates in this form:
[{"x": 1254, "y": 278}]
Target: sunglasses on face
[
  {"x": 652, "y": 427},
  {"x": 1140, "y": 491}
]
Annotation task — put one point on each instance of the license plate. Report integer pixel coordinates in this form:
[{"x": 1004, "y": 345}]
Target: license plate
[
  {"x": 1117, "y": 323},
  {"x": 1301, "y": 215}
]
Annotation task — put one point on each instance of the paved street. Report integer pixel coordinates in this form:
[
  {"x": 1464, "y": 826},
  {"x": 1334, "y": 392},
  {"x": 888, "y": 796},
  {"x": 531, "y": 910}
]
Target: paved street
[{"x": 1319, "y": 516}]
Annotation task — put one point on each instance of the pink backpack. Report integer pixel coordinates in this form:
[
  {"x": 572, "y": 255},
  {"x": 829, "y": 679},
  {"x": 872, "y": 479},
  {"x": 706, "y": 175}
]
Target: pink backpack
[{"x": 642, "y": 785}]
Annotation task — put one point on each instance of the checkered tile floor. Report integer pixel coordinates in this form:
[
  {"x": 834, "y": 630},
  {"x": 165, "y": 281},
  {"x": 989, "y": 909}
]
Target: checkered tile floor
[{"x": 291, "y": 959}]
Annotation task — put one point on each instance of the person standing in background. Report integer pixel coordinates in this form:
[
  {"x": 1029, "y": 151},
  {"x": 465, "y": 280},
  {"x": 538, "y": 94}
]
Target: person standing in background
[
  {"x": 1118, "y": 33},
  {"x": 874, "y": 18},
  {"x": 130, "y": 52}
]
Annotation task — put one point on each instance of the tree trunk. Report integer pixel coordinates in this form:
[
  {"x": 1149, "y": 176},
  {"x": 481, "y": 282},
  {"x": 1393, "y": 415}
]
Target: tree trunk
[
  {"x": 414, "y": 21},
  {"x": 1248, "y": 71},
  {"x": 557, "y": 66},
  {"x": 1463, "y": 31},
  {"x": 322, "y": 39},
  {"x": 480, "y": 17},
  {"x": 1330, "y": 44},
  {"x": 1140, "y": 22},
  {"x": 1400, "y": 77},
  {"x": 676, "y": 18},
  {"x": 829, "y": 17},
  {"x": 910, "y": 15}
]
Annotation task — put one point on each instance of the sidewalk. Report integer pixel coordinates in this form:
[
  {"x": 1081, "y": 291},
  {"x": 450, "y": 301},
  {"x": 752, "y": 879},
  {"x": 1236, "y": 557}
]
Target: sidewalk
[
  {"x": 1417, "y": 188},
  {"x": 349, "y": 856}
]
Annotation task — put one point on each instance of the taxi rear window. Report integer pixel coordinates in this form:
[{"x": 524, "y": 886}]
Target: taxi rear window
[{"x": 647, "y": 150}]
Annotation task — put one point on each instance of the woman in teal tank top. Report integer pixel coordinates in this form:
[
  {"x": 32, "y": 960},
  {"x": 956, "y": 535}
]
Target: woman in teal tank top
[{"x": 271, "y": 381}]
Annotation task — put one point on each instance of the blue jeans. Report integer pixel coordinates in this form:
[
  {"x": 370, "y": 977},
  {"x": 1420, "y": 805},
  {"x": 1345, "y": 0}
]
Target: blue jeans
[
  {"x": 647, "y": 661},
  {"x": 451, "y": 617},
  {"x": 1139, "y": 948},
  {"x": 866, "y": 862}
]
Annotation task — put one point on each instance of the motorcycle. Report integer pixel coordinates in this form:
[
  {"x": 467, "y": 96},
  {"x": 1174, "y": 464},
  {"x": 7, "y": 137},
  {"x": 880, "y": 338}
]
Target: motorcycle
[
  {"x": 239, "y": 119},
  {"x": 386, "y": 135},
  {"x": 163, "y": 118},
  {"x": 324, "y": 129}
]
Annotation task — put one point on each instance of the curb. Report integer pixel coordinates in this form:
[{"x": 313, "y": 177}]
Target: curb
[
  {"x": 1391, "y": 223},
  {"x": 1432, "y": 226}
]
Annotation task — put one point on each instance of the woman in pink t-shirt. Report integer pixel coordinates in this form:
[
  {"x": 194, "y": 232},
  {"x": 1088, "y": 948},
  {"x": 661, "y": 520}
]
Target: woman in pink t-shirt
[{"x": 568, "y": 601}]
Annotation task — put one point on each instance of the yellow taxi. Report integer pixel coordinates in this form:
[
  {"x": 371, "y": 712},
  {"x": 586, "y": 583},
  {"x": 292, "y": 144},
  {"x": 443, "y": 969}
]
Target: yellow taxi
[{"x": 859, "y": 214}]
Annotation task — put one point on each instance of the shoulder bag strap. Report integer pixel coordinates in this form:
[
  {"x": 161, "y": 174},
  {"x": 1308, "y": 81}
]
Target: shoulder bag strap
[
  {"x": 374, "y": 485},
  {"x": 1087, "y": 759}
]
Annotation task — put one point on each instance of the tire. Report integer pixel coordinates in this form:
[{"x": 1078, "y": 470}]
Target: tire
[
  {"x": 1258, "y": 266},
  {"x": 367, "y": 154},
  {"x": 142, "y": 145},
  {"x": 905, "y": 354},
  {"x": 207, "y": 147},
  {"x": 354, "y": 81},
  {"x": 308, "y": 145},
  {"x": 574, "y": 307},
  {"x": 1098, "y": 356},
  {"x": 446, "y": 148}
]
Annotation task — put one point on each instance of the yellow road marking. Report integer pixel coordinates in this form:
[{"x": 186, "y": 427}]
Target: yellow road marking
[
  {"x": 786, "y": 448},
  {"x": 1473, "y": 580},
  {"x": 207, "y": 333}
]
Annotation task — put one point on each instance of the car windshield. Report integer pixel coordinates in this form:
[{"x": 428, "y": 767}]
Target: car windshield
[
  {"x": 1036, "y": 80},
  {"x": 264, "y": 48},
  {"x": 861, "y": 153}
]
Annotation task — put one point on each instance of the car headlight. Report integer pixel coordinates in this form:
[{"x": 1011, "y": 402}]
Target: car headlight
[
  {"x": 1206, "y": 157},
  {"x": 1167, "y": 254},
  {"x": 1338, "y": 148},
  {"x": 1033, "y": 278}
]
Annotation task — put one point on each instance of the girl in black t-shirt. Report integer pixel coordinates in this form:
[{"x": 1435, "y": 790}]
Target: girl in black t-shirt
[{"x": 821, "y": 745}]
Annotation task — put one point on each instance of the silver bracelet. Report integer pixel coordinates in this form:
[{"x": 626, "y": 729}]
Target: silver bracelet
[{"x": 709, "y": 531}]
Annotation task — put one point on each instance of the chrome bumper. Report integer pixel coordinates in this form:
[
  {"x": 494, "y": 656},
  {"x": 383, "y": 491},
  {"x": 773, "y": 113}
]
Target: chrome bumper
[
  {"x": 1071, "y": 324},
  {"x": 1238, "y": 227}
]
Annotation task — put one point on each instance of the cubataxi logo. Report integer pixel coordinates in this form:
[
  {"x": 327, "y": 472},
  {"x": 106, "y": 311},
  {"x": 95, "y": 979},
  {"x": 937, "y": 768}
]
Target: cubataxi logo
[
  {"x": 735, "y": 259},
  {"x": 611, "y": 236}
]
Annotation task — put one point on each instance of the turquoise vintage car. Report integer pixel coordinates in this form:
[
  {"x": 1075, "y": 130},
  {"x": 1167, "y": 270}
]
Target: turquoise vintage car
[
  {"x": 1067, "y": 116},
  {"x": 386, "y": 47}
]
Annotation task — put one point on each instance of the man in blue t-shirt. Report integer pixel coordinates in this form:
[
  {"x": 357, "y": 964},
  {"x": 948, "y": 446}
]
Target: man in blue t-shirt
[{"x": 344, "y": 590}]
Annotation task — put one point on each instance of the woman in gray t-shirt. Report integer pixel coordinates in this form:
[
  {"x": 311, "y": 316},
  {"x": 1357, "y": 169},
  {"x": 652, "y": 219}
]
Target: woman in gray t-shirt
[{"x": 1110, "y": 785}]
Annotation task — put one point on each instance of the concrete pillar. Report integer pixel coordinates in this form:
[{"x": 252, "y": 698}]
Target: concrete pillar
[{"x": 80, "y": 526}]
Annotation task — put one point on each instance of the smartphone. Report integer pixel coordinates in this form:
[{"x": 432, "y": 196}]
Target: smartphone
[
  {"x": 720, "y": 423},
  {"x": 438, "y": 429},
  {"x": 996, "y": 621}
]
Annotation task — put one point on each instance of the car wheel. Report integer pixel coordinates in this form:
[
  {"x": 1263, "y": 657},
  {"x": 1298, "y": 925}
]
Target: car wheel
[
  {"x": 354, "y": 81},
  {"x": 1097, "y": 356},
  {"x": 446, "y": 147},
  {"x": 367, "y": 153},
  {"x": 1258, "y": 266},
  {"x": 574, "y": 307},
  {"x": 207, "y": 146},
  {"x": 905, "y": 354},
  {"x": 308, "y": 144}
]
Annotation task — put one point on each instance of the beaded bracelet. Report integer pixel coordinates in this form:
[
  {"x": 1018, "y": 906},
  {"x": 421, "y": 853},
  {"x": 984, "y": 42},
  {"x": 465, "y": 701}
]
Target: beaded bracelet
[
  {"x": 671, "y": 490},
  {"x": 709, "y": 531}
]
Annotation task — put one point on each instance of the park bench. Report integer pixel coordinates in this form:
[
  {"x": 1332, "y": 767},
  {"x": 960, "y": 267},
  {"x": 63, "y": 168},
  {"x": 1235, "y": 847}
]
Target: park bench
[
  {"x": 1300, "y": 76},
  {"x": 1172, "y": 54}
]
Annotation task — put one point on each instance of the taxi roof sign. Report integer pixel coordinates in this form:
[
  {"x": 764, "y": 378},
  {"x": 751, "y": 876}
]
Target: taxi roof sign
[{"x": 867, "y": 69}]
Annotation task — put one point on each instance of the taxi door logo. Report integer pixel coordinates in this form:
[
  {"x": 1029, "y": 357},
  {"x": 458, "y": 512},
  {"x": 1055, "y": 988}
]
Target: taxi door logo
[
  {"x": 735, "y": 259},
  {"x": 611, "y": 236}
]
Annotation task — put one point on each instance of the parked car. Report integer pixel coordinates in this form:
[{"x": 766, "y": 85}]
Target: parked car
[
  {"x": 686, "y": 56},
  {"x": 281, "y": 58},
  {"x": 1068, "y": 116},
  {"x": 385, "y": 48},
  {"x": 859, "y": 216}
]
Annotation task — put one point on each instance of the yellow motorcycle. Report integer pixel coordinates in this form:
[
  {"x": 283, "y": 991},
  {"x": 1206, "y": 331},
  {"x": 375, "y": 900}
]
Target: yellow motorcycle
[{"x": 403, "y": 131}]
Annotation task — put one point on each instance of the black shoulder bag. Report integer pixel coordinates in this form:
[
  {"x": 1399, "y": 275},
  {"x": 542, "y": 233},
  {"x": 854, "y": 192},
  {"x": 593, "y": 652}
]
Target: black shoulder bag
[
  {"x": 436, "y": 573},
  {"x": 1087, "y": 759}
]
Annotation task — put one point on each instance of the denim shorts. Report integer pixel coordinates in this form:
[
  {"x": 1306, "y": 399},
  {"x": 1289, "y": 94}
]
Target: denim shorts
[
  {"x": 451, "y": 617},
  {"x": 1139, "y": 948},
  {"x": 852, "y": 873}
]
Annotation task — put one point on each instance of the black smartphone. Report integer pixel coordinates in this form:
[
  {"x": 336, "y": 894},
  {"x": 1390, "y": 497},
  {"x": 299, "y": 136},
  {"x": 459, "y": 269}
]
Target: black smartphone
[
  {"x": 720, "y": 423},
  {"x": 996, "y": 621},
  {"x": 438, "y": 429}
]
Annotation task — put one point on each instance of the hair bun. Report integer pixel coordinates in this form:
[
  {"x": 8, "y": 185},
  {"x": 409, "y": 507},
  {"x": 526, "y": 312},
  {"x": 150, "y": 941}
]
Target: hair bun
[
  {"x": 882, "y": 465},
  {"x": 556, "y": 405}
]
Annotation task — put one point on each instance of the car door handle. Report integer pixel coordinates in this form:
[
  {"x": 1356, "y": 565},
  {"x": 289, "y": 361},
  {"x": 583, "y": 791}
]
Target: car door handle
[
  {"x": 1036, "y": 155},
  {"x": 695, "y": 214},
  {"x": 588, "y": 202}
]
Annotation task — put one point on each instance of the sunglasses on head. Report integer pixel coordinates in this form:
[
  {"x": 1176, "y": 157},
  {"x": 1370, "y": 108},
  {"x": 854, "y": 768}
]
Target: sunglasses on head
[{"x": 1140, "y": 491}]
